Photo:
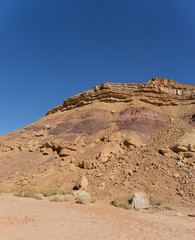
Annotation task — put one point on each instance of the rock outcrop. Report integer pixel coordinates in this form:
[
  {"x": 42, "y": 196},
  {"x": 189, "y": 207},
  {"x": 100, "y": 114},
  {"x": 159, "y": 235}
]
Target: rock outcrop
[
  {"x": 160, "y": 92},
  {"x": 115, "y": 138}
]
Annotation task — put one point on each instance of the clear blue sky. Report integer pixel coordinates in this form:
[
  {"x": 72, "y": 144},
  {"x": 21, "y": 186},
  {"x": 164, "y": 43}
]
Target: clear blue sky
[{"x": 53, "y": 49}]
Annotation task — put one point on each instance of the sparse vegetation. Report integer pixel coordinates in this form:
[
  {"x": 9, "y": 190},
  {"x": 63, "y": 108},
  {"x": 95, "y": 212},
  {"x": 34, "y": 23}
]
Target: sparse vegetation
[
  {"x": 59, "y": 198},
  {"x": 155, "y": 201},
  {"x": 123, "y": 201},
  {"x": 38, "y": 196},
  {"x": 28, "y": 192},
  {"x": 31, "y": 192},
  {"x": 93, "y": 200},
  {"x": 83, "y": 197},
  {"x": 3, "y": 190},
  {"x": 51, "y": 192},
  {"x": 169, "y": 207}
]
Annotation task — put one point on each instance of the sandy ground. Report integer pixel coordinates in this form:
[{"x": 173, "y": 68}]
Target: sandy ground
[{"x": 31, "y": 219}]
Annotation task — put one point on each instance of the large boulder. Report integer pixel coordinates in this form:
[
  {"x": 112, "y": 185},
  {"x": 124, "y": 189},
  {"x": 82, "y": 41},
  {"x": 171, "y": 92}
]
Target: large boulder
[
  {"x": 186, "y": 143},
  {"x": 140, "y": 201}
]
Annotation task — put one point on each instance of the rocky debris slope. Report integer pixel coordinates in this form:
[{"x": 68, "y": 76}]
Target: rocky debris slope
[{"x": 115, "y": 138}]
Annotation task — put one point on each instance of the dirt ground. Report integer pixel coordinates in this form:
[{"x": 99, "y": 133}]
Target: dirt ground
[{"x": 31, "y": 219}]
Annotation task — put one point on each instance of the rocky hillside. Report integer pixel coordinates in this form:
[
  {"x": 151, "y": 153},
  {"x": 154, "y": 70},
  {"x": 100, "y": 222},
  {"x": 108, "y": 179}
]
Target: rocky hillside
[{"x": 115, "y": 138}]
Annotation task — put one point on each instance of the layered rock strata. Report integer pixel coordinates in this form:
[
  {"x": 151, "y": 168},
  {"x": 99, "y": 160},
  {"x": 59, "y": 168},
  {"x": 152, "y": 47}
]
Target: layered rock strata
[
  {"x": 157, "y": 91},
  {"x": 119, "y": 137}
]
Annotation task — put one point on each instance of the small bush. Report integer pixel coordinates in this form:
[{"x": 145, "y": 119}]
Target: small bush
[
  {"x": 93, "y": 200},
  {"x": 38, "y": 196},
  {"x": 51, "y": 192},
  {"x": 28, "y": 193},
  {"x": 169, "y": 207},
  {"x": 155, "y": 201},
  {"x": 3, "y": 190},
  {"x": 123, "y": 201},
  {"x": 58, "y": 198},
  {"x": 83, "y": 197}
]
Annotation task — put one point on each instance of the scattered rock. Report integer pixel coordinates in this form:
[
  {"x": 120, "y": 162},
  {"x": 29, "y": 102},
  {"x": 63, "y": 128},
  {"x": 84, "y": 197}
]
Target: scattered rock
[
  {"x": 40, "y": 133},
  {"x": 180, "y": 164},
  {"x": 180, "y": 148},
  {"x": 102, "y": 185},
  {"x": 46, "y": 151},
  {"x": 65, "y": 153},
  {"x": 179, "y": 214},
  {"x": 189, "y": 154},
  {"x": 163, "y": 151},
  {"x": 46, "y": 127},
  {"x": 176, "y": 175},
  {"x": 186, "y": 142},
  {"x": 191, "y": 215},
  {"x": 84, "y": 183}
]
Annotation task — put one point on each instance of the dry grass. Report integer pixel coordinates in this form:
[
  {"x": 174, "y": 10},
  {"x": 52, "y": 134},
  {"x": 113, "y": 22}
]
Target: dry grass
[
  {"x": 51, "y": 192},
  {"x": 30, "y": 192},
  {"x": 123, "y": 201},
  {"x": 27, "y": 192},
  {"x": 59, "y": 198},
  {"x": 169, "y": 207},
  {"x": 38, "y": 196},
  {"x": 155, "y": 201},
  {"x": 4, "y": 190}
]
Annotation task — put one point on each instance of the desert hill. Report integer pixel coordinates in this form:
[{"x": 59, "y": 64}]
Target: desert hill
[{"x": 116, "y": 138}]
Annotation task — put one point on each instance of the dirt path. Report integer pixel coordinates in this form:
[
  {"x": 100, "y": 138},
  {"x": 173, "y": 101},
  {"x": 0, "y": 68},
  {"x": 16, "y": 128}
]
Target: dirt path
[{"x": 30, "y": 219}]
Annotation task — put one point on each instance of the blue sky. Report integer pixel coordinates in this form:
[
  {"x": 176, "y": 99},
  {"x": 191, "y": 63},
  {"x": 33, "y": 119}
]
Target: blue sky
[{"x": 53, "y": 49}]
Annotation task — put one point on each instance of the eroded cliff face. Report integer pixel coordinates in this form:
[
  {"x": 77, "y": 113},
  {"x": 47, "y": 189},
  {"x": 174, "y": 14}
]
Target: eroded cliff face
[
  {"x": 161, "y": 92},
  {"x": 120, "y": 136}
]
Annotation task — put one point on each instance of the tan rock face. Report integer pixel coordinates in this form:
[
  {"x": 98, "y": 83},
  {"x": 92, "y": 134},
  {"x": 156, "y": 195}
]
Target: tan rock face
[
  {"x": 157, "y": 91},
  {"x": 115, "y": 138}
]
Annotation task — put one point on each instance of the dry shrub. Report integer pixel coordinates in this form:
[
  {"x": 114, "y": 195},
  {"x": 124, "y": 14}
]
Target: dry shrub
[
  {"x": 59, "y": 198},
  {"x": 83, "y": 197},
  {"x": 169, "y": 207},
  {"x": 27, "y": 192},
  {"x": 38, "y": 196},
  {"x": 51, "y": 191},
  {"x": 4, "y": 190},
  {"x": 155, "y": 201},
  {"x": 123, "y": 201},
  {"x": 30, "y": 192}
]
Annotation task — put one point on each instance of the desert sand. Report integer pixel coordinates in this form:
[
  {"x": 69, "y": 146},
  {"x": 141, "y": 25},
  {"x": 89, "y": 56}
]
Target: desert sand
[{"x": 31, "y": 219}]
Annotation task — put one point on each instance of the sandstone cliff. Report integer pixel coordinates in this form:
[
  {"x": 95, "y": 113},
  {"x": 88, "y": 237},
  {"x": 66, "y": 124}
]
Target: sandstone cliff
[{"x": 157, "y": 92}]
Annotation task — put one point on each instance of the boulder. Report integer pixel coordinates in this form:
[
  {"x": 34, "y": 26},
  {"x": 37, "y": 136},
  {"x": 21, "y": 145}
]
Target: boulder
[
  {"x": 84, "y": 182},
  {"x": 140, "y": 201},
  {"x": 186, "y": 143},
  {"x": 180, "y": 148}
]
